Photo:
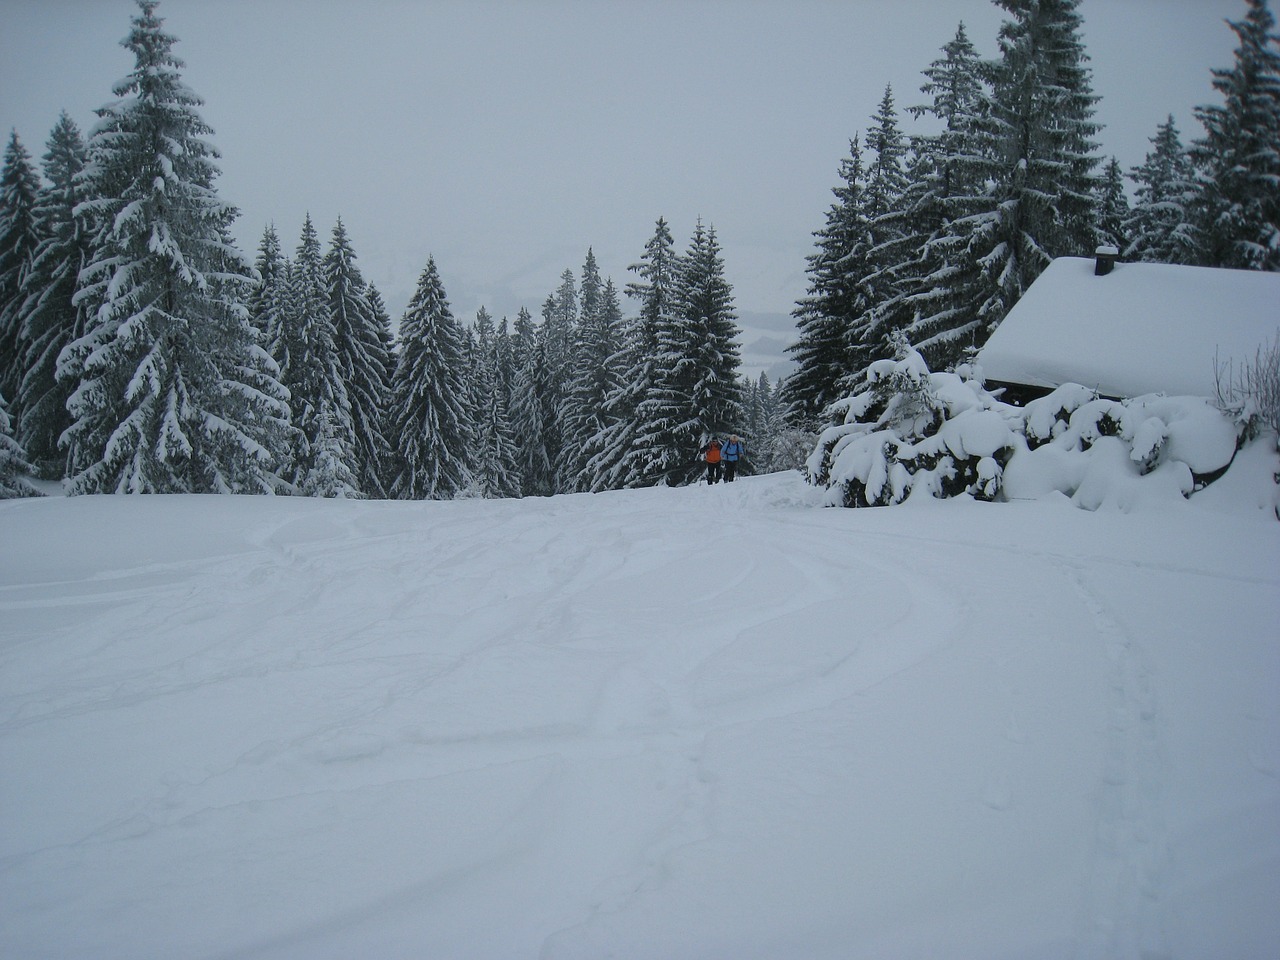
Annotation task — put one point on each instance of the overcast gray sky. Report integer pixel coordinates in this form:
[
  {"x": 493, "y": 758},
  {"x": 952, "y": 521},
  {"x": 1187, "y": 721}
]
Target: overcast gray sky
[{"x": 507, "y": 136}]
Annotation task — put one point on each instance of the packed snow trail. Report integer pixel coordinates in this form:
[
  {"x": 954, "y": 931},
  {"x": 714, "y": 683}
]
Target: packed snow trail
[{"x": 706, "y": 722}]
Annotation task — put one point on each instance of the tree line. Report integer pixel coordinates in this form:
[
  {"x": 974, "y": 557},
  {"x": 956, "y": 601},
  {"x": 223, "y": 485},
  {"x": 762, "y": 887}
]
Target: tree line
[
  {"x": 933, "y": 237},
  {"x": 140, "y": 351}
]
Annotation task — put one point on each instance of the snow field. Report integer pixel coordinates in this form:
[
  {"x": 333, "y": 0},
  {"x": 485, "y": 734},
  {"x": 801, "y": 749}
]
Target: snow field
[{"x": 706, "y": 722}]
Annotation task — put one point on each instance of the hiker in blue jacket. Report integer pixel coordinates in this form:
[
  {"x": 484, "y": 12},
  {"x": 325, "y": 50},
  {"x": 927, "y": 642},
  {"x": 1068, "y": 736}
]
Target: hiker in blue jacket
[{"x": 730, "y": 454}]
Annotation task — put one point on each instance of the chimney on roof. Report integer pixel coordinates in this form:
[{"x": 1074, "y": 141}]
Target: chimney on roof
[{"x": 1106, "y": 260}]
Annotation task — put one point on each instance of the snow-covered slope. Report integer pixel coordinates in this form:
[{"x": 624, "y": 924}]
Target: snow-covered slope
[{"x": 698, "y": 723}]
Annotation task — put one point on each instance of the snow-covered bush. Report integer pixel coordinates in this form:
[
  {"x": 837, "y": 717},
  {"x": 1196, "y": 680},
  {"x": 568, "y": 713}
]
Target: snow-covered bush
[
  {"x": 1117, "y": 453},
  {"x": 914, "y": 432},
  {"x": 1251, "y": 390}
]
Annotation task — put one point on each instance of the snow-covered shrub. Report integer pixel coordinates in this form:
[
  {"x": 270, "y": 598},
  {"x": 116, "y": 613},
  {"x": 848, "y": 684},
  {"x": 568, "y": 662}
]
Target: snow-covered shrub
[
  {"x": 1119, "y": 453},
  {"x": 914, "y": 432},
  {"x": 1251, "y": 390}
]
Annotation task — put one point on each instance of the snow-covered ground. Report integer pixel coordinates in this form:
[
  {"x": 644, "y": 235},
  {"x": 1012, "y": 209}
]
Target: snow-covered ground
[{"x": 698, "y": 723}]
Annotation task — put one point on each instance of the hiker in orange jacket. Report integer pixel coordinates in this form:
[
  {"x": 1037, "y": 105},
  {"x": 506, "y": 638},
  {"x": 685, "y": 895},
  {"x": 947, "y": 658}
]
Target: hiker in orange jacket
[{"x": 711, "y": 453}]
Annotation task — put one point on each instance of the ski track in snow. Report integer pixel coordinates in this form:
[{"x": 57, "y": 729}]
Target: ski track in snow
[
  {"x": 521, "y": 655},
  {"x": 1121, "y": 903}
]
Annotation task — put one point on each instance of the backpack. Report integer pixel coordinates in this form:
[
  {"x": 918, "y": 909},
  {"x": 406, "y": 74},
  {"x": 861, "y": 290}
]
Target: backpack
[{"x": 713, "y": 451}]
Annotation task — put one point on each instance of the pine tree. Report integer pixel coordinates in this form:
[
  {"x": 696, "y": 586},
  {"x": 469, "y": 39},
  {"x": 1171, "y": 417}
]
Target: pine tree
[
  {"x": 362, "y": 360},
  {"x": 430, "y": 432},
  {"x": 559, "y": 333},
  {"x": 525, "y": 366},
  {"x": 495, "y": 471},
  {"x": 765, "y": 426},
  {"x": 771, "y": 427},
  {"x": 531, "y": 415},
  {"x": 19, "y": 238},
  {"x": 695, "y": 394},
  {"x": 825, "y": 315},
  {"x": 634, "y": 452},
  {"x": 505, "y": 350},
  {"x": 1113, "y": 208},
  {"x": 1041, "y": 203},
  {"x": 942, "y": 285},
  {"x": 267, "y": 302},
  {"x": 325, "y": 460},
  {"x": 872, "y": 269},
  {"x": 1238, "y": 212},
  {"x": 1159, "y": 227},
  {"x": 382, "y": 319},
  {"x": 49, "y": 319},
  {"x": 523, "y": 338},
  {"x": 596, "y": 375},
  {"x": 13, "y": 460},
  {"x": 705, "y": 371},
  {"x": 560, "y": 321},
  {"x": 173, "y": 394},
  {"x": 958, "y": 85}
]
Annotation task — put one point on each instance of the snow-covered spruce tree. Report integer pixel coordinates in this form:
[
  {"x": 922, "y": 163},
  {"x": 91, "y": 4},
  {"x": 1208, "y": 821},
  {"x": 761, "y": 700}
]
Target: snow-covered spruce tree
[
  {"x": 558, "y": 334},
  {"x": 532, "y": 417},
  {"x": 824, "y": 315},
  {"x": 1113, "y": 207},
  {"x": 19, "y": 238},
  {"x": 363, "y": 361},
  {"x": 559, "y": 330},
  {"x": 470, "y": 398},
  {"x": 1238, "y": 209},
  {"x": 505, "y": 349},
  {"x": 702, "y": 373},
  {"x": 431, "y": 435},
  {"x": 382, "y": 319},
  {"x": 50, "y": 321},
  {"x": 267, "y": 302},
  {"x": 942, "y": 286},
  {"x": 766, "y": 432},
  {"x": 596, "y": 376},
  {"x": 752, "y": 407},
  {"x": 174, "y": 395},
  {"x": 612, "y": 403},
  {"x": 1038, "y": 130},
  {"x": 875, "y": 268},
  {"x": 667, "y": 432},
  {"x": 619, "y": 457},
  {"x": 522, "y": 360},
  {"x": 523, "y": 337},
  {"x": 495, "y": 472},
  {"x": 648, "y": 452},
  {"x": 14, "y": 466},
  {"x": 1159, "y": 226},
  {"x": 912, "y": 431},
  {"x": 324, "y": 451}
]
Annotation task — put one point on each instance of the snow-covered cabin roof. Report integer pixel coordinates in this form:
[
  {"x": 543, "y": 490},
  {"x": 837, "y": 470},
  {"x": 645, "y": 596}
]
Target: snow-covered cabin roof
[{"x": 1143, "y": 328}]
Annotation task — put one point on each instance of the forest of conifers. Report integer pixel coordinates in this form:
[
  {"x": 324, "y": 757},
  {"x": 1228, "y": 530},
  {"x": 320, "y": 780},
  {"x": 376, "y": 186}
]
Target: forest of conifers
[{"x": 142, "y": 352}]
